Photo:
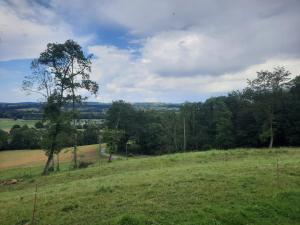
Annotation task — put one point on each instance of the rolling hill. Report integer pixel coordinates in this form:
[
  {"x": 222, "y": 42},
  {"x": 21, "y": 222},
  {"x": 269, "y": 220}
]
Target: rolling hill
[{"x": 245, "y": 186}]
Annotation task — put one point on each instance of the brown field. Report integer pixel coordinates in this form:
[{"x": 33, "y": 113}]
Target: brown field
[{"x": 24, "y": 158}]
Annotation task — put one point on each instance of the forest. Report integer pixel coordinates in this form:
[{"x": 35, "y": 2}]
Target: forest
[{"x": 264, "y": 114}]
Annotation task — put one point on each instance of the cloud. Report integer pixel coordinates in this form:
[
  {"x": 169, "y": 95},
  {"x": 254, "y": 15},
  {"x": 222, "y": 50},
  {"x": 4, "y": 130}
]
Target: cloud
[
  {"x": 122, "y": 75},
  {"x": 188, "y": 53},
  {"x": 119, "y": 73},
  {"x": 210, "y": 16},
  {"x": 182, "y": 50},
  {"x": 207, "y": 37},
  {"x": 26, "y": 27}
]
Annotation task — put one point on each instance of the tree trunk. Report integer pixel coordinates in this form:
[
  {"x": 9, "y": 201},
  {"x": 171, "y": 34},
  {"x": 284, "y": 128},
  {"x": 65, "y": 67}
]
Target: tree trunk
[
  {"x": 175, "y": 138},
  {"x": 184, "y": 135},
  {"x": 52, "y": 164},
  {"x": 57, "y": 165},
  {"x": 75, "y": 156},
  {"x": 110, "y": 157},
  {"x": 51, "y": 152},
  {"x": 99, "y": 140},
  {"x": 46, "y": 168},
  {"x": 271, "y": 139},
  {"x": 74, "y": 136},
  {"x": 271, "y": 132}
]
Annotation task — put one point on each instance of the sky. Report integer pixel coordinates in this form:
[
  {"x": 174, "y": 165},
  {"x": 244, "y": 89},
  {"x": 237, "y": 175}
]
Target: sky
[{"x": 153, "y": 50}]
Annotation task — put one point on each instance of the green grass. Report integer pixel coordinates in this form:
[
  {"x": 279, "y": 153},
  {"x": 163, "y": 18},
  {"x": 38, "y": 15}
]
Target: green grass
[
  {"x": 6, "y": 124},
  {"x": 215, "y": 187}
]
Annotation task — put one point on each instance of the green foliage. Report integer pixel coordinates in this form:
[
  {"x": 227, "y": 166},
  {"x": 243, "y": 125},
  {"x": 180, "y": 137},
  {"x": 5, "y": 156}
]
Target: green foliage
[
  {"x": 3, "y": 139},
  {"x": 39, "y": 125},
  {"x": 58, "y": 123},
  {"x": 91, "y": 134},
  {"x": 266, "y": 111},
  {"x": 224, "y": 126},
  {"x": 58, "y": 74},
  {"x": 112, "y": 138},
  {"x": 24, "y": 138},
  {"x": 266, "y": 91}
]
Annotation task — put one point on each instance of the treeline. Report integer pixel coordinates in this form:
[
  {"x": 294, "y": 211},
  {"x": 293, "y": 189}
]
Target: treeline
[
  {"x": 34, "y": 110},
  {"x": 24, "y": 137},
  {"x": 88, "y": 110},
  {"x": 266, "y": 113}
]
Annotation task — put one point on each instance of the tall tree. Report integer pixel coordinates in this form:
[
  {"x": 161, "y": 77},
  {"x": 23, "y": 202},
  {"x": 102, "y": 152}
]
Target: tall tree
[
  {"x": 59, "y": 73},
  {"x": 292, "y": 125},
  {"x": 77, "y": 73},
  {"x": 266, "y": 90},
  {"x": 224, "y": 128}
]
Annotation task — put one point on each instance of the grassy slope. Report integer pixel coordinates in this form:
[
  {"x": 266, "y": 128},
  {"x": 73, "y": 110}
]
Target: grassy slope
[
  {"x": 6, "y": 124},
  {"x": 215, "y": 187}
]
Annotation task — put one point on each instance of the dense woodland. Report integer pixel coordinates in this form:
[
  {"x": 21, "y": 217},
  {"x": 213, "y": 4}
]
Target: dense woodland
[{"x": 266, "y": 113}]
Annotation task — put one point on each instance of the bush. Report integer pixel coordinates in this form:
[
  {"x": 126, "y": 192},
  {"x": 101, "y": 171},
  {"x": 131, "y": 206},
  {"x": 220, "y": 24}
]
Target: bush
[{"x": 39, "y": 125}]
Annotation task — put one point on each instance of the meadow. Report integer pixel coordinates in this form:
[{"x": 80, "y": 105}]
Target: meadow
[
  {"x": 241, "y": 186},
  {"x": 6, "y": 124}
]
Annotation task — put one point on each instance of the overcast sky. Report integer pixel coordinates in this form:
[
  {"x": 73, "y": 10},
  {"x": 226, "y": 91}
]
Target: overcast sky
[{"x": 154, "y": 50}]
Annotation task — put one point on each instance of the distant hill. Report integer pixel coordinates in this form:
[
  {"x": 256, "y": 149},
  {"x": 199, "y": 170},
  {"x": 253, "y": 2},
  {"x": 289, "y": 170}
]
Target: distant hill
[{"x": 89, "y": 110}]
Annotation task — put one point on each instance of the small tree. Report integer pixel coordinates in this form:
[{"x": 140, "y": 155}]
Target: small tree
[{"x": 112, "y": 138}]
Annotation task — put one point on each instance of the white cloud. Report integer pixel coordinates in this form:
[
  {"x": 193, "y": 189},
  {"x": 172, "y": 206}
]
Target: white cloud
[
  {"x": 188, "y": 50},
  {"x": 207, "y": 37},
  {"x": 188, "y": 53},
  {"x": 123, "y": 76},
  {"x": 119, "y": 74},
  {"x": 27, "y": 27}
]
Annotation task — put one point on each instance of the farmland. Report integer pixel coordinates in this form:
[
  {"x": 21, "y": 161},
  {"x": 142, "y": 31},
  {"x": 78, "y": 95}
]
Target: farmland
[
  {"x": 6, "y": 124},
  {"x": 25, "y": 158},
  {"x": 242, "y": 186}
]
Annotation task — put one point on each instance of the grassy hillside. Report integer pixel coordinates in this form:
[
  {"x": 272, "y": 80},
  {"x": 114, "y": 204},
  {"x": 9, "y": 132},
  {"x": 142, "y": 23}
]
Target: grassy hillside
[
  {"x": 6, "y": 124},
  {"x": 214, "y": 187}
]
